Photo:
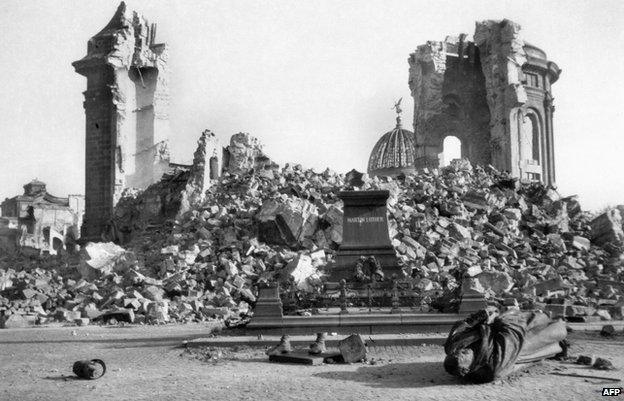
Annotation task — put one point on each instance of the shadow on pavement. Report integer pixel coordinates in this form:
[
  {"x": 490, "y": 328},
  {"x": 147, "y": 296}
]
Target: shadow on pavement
[{"x": 396, "y": 375}]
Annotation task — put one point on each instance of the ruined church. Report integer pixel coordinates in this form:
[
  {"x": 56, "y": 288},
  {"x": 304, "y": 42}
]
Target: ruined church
[{"x": 493, "y": 94}]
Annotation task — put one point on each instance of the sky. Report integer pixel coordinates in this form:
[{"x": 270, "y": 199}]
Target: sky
[{"x": 315, "y": 81}]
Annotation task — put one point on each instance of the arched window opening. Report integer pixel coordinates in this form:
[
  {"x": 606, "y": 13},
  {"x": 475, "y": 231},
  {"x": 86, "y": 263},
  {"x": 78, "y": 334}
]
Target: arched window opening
[
  {"x": 530, "y": 138},
  {"x": 451, "y": 149}
]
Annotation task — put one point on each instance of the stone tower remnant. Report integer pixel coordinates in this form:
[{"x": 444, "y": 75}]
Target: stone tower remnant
[
  {"x": 126, "y": 107},
  {"x": 493, "y": 94}
]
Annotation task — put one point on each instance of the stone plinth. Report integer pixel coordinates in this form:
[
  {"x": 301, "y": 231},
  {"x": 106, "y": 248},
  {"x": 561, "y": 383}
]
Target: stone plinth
[{"x": 365, "y": 233}]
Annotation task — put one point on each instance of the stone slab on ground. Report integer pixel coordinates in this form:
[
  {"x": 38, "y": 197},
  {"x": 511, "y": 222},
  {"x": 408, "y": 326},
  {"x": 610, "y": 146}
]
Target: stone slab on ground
[{"x": 302, "y": 357}]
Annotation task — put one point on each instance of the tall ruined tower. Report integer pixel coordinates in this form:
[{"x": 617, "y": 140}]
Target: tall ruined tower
[
  {"x": 126, "y": 107},
  {"x": 493, "y": 94}
]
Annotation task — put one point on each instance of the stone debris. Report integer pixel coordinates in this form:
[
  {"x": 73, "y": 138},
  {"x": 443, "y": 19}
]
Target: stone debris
[
  {"x": 459, "y": 229},
  {"x": 585, "y": 360},
  {"x": 603, "y": 364},
  {"x": 352, "y": 348}
]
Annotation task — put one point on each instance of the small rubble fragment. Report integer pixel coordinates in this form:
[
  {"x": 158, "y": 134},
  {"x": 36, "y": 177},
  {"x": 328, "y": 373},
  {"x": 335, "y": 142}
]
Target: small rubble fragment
[{"x": 603, "y": 364}]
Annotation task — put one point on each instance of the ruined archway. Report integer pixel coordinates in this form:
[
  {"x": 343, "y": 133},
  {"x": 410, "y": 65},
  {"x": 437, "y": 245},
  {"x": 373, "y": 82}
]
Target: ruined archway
[{"x": 451, "y": 149}]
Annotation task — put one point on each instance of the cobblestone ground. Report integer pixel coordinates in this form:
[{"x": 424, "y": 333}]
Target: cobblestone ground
[{"x": 146, "y": 363}]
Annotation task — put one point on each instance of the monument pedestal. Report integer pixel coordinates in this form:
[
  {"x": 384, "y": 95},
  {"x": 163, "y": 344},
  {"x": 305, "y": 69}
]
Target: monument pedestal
[
  {"x": 364, "y": 234},
  {"x": 471, "y": 302}
]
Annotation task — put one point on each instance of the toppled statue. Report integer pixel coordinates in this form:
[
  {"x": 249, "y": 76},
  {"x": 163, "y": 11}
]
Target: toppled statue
[{"x": 486, "y": 345}]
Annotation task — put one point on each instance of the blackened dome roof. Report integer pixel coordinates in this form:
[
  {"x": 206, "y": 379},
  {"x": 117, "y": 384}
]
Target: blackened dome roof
[{"x": 395, "y": 149}]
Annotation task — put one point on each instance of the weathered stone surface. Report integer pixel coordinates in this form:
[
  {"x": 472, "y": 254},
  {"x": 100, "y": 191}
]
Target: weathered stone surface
[
  {"x": 607, "y": 228},
  {"x": 99, "y": 258},
  {"x": 287, "y": 221},
  {"x": 303, "y": 273},
  {"x": 352, "y": 348},
  {"x": 495, "y": 281},
  {"x": 244, "y": 154},
  {"x": 206, "y": 167},
  {"x": 16, "y": 321}
]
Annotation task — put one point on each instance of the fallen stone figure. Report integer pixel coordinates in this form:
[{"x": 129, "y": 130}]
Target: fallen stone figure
[{"x": 486, "y": 345}]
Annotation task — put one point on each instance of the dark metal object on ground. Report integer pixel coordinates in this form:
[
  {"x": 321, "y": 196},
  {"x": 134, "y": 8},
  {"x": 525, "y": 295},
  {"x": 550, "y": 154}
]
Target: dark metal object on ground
[
  {"x": 395, "y": 295},
  {"x": 89, "y": 369},
  {"x": 343, "y": 296},
  {"x": 318, "y": 346},
  {"x": 486, "y": 345},
  {"x": 283, "y": 347}
]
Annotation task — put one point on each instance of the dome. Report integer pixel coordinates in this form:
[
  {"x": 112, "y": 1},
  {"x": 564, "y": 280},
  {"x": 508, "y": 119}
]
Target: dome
[{"x": 393, "y": 153}]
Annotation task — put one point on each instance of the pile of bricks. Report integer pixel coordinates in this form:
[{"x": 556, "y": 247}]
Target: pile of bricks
[{"x": 454, "y": 229}]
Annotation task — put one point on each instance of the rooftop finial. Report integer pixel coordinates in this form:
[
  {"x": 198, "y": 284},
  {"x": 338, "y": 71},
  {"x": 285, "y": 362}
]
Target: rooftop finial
[{"x": 397, "y": 108}]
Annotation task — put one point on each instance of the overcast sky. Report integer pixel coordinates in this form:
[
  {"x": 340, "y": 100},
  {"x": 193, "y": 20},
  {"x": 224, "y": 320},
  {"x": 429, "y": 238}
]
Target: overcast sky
[{"x": 313, "y": 80}]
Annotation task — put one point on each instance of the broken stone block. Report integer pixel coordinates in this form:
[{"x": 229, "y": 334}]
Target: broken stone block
[
  {"x": 334, "y": 218},
  {"x": 352, "y": 348},
  {"x": 607, "y": 330},
  {"x": 300, "y": 269},
  {"x": 603, "y": 313},
  {"x": 603, "y": 364},
  {"x": 69, "y": 316},
  {"x": 473, "y": 271},
  {"x": 287, "y": 222},
  {"x": 158, "y": 312},
  {"x": 99, "y": 258},
  {"x": 459, "y": 232},
  {"x": 153, "y": 293},
  {"x": 245, "y": 154},
  {"x": 581, "y": 243},
  {"x": 354, "y": 179},
  {"x": 495, "y": 281},
  {"x": 16, "y": 321},
  {"x": 607, "y": 228}
]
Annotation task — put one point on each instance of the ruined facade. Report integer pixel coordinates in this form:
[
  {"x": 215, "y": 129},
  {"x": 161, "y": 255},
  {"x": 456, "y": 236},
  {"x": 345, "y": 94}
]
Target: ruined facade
[
  {"x": 493, "y": 94},
  {"x": 126, "y": 107},
  {"x": 41, "y": 221}
]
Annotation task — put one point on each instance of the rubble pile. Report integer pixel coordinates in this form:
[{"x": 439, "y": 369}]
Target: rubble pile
[{"x": 454, "y": 229}]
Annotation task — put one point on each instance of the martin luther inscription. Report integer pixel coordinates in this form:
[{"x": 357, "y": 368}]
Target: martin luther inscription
[{"x": 365, "y": 233}]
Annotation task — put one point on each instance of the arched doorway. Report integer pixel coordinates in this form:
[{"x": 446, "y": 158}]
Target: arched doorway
[{"x": 451, "y": 149}]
